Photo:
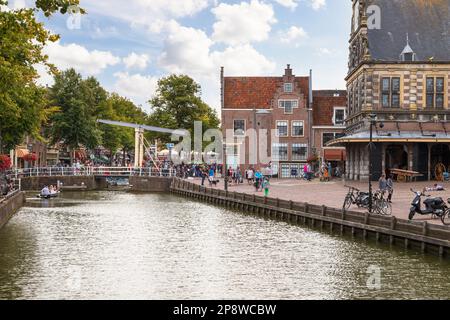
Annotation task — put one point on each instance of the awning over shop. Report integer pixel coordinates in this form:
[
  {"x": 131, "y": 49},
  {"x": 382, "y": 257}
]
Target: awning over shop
[
  {"x": 80, "y": 154},
  {"x": 22, "y": 153},
  {"x": 394, "y": 137},
  {"x": 334, "y": 155}
]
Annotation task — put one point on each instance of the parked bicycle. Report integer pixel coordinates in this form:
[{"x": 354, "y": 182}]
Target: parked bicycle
[
  {"x": 380, "y": 205},
  {"x": 355, "y": 197}
]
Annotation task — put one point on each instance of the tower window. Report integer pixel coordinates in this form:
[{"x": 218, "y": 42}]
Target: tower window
[
  {"x": 435, "y": 92},
  {"x": 390, "y": 92}
]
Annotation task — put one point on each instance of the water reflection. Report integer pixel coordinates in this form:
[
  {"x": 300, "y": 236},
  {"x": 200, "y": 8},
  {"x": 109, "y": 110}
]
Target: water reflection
[{"x": 136, "y": 246}]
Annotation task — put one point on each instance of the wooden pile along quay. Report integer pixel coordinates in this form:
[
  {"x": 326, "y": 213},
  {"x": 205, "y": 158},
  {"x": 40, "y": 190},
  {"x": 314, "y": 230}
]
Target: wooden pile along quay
[{"x": 416, "y": 235}]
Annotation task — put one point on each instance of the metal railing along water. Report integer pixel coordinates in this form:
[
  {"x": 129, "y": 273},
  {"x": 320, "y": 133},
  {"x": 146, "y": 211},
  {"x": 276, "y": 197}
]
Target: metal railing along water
[{"x": 90, "y": 171}]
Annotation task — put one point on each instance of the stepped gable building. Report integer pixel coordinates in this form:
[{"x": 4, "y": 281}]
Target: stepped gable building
[
  {"x": 399, "y": 70},
  {"x": 284, "y": 104}
]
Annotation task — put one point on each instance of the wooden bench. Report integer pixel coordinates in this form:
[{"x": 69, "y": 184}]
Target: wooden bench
[{"x": 405, "y": 175}]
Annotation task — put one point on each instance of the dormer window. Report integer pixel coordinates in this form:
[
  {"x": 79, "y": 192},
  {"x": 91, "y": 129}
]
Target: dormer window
[
  {"x": 408, "y": 54},
  {"x": 288, "y": 88}
]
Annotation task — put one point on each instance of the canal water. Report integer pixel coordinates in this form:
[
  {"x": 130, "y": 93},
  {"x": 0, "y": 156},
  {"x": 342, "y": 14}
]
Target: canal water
[{"x": 156, "y": 246}]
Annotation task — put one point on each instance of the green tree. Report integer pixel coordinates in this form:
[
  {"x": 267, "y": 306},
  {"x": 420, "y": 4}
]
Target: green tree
[
  {"x": 23, "y": 104},
  {"x": 177, "y": 105},
  {"x": 75, "y": 124},
  {"x": 123, "y": 110}
]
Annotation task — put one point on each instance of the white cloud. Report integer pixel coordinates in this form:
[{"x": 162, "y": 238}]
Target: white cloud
[
  {"x": 136, "y": 61},
  {"x": 186, "y": 50},
  {"x": 45, "y": 78},
  {"x": 145, "y": 12},
  {"x": 326, "y": 52},
  {"x": 78, "y": 57},
  {"x": 137, "y": 87},
  {"x": 242, "y": 60},
  {"x": 294, "y": 35},
  {"x": 318, "y": 4},
  {"x": 291, "y": 4},
  {"x": 189, "y": 51},
  {"x": 243, "y": 23}
]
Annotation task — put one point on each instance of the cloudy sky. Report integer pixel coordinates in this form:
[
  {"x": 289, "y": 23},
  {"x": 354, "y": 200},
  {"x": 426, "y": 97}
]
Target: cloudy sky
[{"x": 128, "y": 45}]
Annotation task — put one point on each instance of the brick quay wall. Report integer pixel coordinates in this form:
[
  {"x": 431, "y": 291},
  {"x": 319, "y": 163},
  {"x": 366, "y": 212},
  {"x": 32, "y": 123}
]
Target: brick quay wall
[{"x": 10, "y": 205}]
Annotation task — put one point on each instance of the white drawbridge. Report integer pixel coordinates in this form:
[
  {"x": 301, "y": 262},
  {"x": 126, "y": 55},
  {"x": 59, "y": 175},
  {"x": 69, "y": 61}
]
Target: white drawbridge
[{"x": 141, "y": 145}]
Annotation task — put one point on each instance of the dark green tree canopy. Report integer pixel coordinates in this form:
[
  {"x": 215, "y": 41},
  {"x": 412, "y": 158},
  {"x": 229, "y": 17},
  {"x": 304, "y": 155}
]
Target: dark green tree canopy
[
  {"x": 75, "y": 124},
  {"x": 23, "y": 104},
  {"x": 178, "y": 104}
]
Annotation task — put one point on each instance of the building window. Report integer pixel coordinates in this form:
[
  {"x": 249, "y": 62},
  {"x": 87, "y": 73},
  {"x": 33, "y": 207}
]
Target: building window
[
  {"x": 288, "y": 105},
  {"x": 435, "y": 92},
  {"x": 298, "y": 128},
  {"x": 239, "y": 127},
  {"x": 390, "y": 92},
  {"x": 299, "y": 152},
  {"x": 282, "y": 128},
  {"x": 280, "y": 151},
  {"x": 330, "y": 136},
  {"x": 339, "y": 116},
  {"x": 288, "y": 88}
]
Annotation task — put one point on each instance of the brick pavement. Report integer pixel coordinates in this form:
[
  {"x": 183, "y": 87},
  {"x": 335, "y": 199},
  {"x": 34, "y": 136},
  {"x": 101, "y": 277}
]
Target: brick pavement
[{"x": 332, "y": 193}]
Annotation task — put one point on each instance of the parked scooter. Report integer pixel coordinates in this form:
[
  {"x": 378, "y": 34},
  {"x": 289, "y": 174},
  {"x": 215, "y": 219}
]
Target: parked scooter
[{"x": 434, "y": 206}]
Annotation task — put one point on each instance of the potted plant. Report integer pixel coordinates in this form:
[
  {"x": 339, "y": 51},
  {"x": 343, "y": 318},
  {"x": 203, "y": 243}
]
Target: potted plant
[
  {"x": 31, "y": 157},
  {"x": 5, "y": 163}
]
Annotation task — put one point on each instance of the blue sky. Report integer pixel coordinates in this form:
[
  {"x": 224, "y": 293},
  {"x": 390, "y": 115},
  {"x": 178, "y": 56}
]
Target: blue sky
[{"x": 129, "y": 45}]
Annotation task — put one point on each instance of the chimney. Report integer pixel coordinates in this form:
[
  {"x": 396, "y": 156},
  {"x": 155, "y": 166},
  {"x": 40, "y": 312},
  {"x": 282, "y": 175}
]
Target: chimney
[
  {"x": 222, "y": 88},
  {"x": 288, "y": 71},
  {"x": 310, "y": 89}
]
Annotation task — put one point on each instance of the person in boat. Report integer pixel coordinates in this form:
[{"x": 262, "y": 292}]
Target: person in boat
[
  {"x": 45, "y": 192},
  {"x": 53, "y": 190}
]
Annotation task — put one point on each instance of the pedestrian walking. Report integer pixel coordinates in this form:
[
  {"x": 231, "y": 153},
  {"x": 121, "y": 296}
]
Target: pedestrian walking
[
  {"x": 203, "y": 173},
  {"x": 390, "y": 188},
  {"x": 258, "y": 177},
  {"x": 265, "y": 186},
  {"x": 330, "y": 171}
]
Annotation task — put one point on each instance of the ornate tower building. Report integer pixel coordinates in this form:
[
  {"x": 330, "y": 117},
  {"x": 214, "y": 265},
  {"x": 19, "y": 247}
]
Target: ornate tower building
[{"x": 399, "y": 70}]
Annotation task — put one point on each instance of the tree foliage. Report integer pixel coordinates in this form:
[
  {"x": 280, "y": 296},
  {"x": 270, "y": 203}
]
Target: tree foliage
[
  {"x": 23, "y": 104},
  {"x": 75, "y": 123},
  {"x": 177, "y": 105}
]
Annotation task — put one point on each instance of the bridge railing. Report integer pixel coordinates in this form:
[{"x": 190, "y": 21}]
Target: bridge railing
[{"x": 90, "y": 171}]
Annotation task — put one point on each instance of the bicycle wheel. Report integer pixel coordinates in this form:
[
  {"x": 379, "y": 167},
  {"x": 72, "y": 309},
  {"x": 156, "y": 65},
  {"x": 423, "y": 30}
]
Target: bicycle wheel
[
  {"x": 347, "y": 202},
  {"x": 446, "y": 217},
  {"x": 383, "y": 207},
  {"x": 386, "y": 208}
]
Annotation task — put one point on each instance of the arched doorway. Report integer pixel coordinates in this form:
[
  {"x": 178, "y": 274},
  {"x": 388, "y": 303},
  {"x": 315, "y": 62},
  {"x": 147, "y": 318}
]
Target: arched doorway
[
  {"x": 396, "y": 157},
  {"x": 440, "y": 154}
]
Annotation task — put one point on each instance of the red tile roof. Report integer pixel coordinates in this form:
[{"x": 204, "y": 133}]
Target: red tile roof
[
  {"x": 324, "y": 103},
  {"x": 256, "y": 92}
]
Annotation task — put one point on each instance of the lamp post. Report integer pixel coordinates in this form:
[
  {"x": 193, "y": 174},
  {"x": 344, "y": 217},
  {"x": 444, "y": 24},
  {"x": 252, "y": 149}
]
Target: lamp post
[
  {"x": 225, "y": 170},
  {"x": 373, "y": 123}
]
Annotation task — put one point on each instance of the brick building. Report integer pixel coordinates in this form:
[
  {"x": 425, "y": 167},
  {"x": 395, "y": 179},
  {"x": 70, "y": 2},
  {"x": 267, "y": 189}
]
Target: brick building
[
  {"x": 399, "y": 71},
  {"x": 329, "y": 114},
  {"x": 280, "y": 110}
]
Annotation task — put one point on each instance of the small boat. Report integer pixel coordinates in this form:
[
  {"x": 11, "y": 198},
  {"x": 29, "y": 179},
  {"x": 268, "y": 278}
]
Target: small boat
[{"x": 50, "y": 196}]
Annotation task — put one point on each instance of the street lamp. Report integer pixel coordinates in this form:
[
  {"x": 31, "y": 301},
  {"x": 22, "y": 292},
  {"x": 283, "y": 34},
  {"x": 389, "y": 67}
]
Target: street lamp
[
  {"x": 225, "y": 170},
  {"x": 372, "y": 124}
]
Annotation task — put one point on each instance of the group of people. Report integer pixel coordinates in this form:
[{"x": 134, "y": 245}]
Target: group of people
[
  {"x": 48, "y": 191},
  {"x": 386, "y": 185},
  {"x": 6, "y": 186}
]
